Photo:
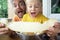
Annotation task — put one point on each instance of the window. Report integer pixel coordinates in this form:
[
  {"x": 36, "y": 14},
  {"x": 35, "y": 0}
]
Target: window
[
  {"x": 55, "y": 6},
  {"x": 47, "y": 9},
  {"x": 3, "y": 9}
]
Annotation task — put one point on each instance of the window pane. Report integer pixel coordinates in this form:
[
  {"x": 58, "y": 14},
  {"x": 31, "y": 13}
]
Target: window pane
[
  {"x": 55, "y": 6},
  {"x": 3, "y": 9}
]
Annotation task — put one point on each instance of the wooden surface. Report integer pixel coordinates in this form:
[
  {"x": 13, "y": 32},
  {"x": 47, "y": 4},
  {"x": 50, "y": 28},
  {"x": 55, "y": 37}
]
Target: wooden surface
[{"x": 6, "y": 37}]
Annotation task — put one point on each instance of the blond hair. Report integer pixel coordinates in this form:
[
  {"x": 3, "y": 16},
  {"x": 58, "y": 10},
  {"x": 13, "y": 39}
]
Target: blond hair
[{"x": 32, "y": 0}]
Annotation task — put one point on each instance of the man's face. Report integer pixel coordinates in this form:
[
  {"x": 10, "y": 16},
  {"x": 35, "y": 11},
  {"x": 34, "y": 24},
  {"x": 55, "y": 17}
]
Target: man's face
[
  {"x": 20, "y": 7},
  {"x": 33, "y": 7}
]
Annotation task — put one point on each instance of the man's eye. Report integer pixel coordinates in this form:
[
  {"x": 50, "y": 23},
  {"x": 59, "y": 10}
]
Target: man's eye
[{"x": 22, "y": 4}]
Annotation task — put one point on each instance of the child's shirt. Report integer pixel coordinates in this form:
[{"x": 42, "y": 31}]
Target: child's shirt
[
  {"x": 39, "y": 18},
  {"x": 16, "y": 18}
]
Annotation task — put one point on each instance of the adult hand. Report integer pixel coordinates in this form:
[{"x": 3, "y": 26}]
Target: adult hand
[
  {"x": 57, "y": 27},
  {"x": 52, "y": 31},
  {"x": 3, "y": 29}
]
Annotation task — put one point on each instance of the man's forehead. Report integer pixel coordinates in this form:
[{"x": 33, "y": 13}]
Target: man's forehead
[{"x": 18, "y": 0}]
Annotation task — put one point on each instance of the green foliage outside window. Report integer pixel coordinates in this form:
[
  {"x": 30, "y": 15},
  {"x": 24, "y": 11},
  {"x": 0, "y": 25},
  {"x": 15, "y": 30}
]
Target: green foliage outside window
[
  {"x": 55, "y": 6},
  {"x": 3, "y": 9}
]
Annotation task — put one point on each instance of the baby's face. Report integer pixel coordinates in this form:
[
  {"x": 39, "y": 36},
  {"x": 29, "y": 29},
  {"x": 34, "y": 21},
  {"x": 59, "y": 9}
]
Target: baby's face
[{"x": 33, "y": 7}]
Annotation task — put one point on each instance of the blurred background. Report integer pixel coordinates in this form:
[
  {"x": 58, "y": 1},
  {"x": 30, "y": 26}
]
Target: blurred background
[
  {"x": 6, "y": 9},
  {"x": 55, "y": 6},
  {"x": 3, "y": 8}
]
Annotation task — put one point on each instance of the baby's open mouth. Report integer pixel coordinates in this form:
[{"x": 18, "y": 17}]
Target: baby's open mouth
[{"x": 33, "y": 13}]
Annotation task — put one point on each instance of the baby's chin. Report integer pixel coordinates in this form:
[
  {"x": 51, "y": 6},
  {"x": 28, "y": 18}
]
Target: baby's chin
[{"x": 33, "y": 15}]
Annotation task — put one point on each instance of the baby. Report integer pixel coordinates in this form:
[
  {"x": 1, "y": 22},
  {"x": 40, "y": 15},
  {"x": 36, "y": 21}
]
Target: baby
[{"x": 34, "y": 13}]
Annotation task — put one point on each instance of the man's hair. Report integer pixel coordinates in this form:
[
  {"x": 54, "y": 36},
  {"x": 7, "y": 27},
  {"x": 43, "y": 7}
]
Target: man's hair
[{"x": 40, "y": 0}]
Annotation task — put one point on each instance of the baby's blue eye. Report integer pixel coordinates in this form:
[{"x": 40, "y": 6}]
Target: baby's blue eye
[
  {"x": 30, "y": 6},
  {"x": 36, "y": 6}
]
